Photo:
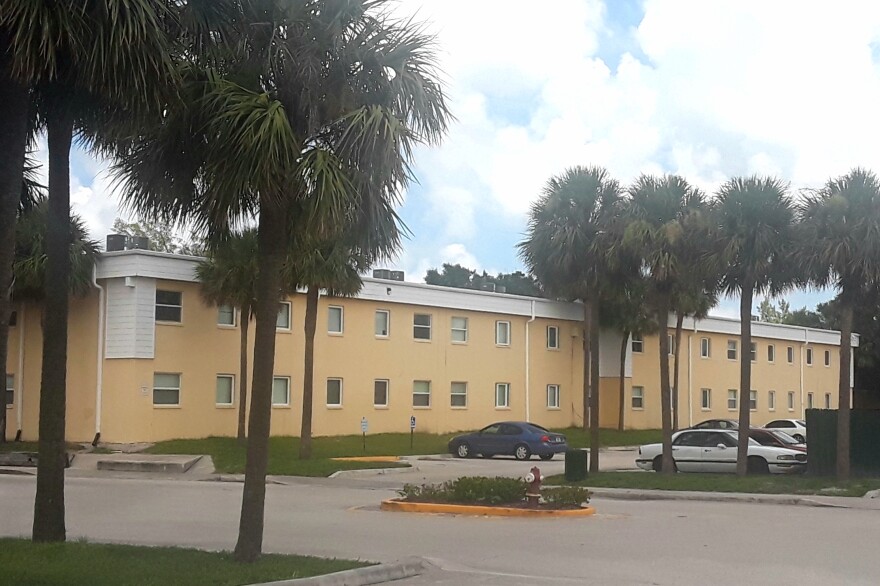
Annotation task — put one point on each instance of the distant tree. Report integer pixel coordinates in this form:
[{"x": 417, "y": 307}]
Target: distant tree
[
  {"x": 161, "y": 235},
  {"x": 516, "y": 283},
  {"x": 451, "y": 276},
  {"x": 771, "y": 313}
]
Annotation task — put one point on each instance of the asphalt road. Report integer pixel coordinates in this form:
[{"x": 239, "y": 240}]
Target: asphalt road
[{"x": 658, "y": 542}]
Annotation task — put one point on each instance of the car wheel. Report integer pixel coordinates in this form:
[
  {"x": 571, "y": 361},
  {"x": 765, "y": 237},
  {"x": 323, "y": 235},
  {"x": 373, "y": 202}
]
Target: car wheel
[
  {"x": 758, "y": 465},
  {"x": 546, "y": 457},
  {"x": 463, "y": 450},
  {"x": 657, "y": 464},
  {"x": 800, "y": 439},
  {"x": 522, "y": 452}
]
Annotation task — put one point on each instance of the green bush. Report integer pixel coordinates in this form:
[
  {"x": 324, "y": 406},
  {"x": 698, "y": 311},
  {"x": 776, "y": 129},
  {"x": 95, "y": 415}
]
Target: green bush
[
  {"x": 567, "y": 496},
  {"x": 468, "y": 490}
]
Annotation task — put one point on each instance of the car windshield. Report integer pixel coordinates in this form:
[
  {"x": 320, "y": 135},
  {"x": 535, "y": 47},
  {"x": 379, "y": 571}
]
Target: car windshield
[{"x": 536, "y": 427}]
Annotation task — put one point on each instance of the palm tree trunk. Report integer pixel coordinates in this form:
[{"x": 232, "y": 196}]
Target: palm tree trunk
[
  {"x": 745, "y": 376},
  {"x": 49, "y": 502},
  {"x": 271, "y": 241},
  {"x": 243, "y": 375},
  {"x": 305, "y": 436},
  {"x": 594, "y": 386},
  {"x": 679, "y": 322},
  {"x": 13, "y": 143},
  {"x": 844, "y": 389},
  {"x": 665, "y": 403},
  {"x": 621, "y": 397},
  {"x": 586, "y": 397}
]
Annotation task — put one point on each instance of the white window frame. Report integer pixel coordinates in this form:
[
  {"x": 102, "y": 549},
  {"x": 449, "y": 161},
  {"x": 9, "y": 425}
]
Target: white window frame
[
  {"x": 459, "y": 330},
  {"x": 809, "y": 400},
  {"x": 670, "y": 342},
  {"x": 422, "y": 327},
  {"x": 637, "y": 339},
  {"x": 706, "y": 399},
  {"x": 753, "y": 400},
  {"x": 789, "y": 354},
  {"x": 809, "y": 357},
  {"x": 330, "y": 310},
  {"x": 732, "y": 346},
  {"x": 771, "y": 400},
  {"x": 427, "y": 384},
  {"x": 554, "y": 338},
  {"x": 178, "y": 306},
  {"x": 502, "y": 326},
  {"x": 289, "y": 326},
  {"x": 502, "y": 391},
  {"x": 10, "y": 390},
  {"x": 376, "y": 331},
  {"x": 753, "y": 351},
  {"x": 827, "y": 358},
  {"x": 732, "y": 395},
  {"x": 553, "y": 397},
  {"x": 771, "y": 353},
  {"x": 231, "y": 378},
  {"x": 705, "y": 347},
  {"x": 455, "y": 391},
  {"x": 330, "y": 405},
  {"x": 220, "y": 312},
  {"x": 387, "y": 384},
  {"x": 286, "y": 380},
  {"x": 177, "y": 388},
  {"x": 791, "y": 400},
  {"x": 828, "y": 400},
  {"x": 637, "y": 398}
]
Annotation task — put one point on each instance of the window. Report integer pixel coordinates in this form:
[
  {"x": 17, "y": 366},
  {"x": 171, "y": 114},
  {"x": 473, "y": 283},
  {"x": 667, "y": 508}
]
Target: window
[
  {"x": 422, "y": 326},
  {"x": 705, "y": 348},
  {"x": 790, "y": 401},
  {"x": 789, "y": 354},
  {"x": 638, "y": 344},
  {"x": 670, "y": 341},
  {"x": 422, "y": 393},
  {"x": 731, "y": 349},
  {"x": 458, "y": 395},
  {"x": 502, "y": 333},
  {"x": 771, "y": 353},
  {"x": 334, "y": 392},
  {"x": 502, "y": 395},
  {"x": 809, "y": 400},
  {"x": 168, "y": 306},
  {"x": 552, "y": 396},
  {"x": 380, "y": 393},
  {"x": 828, "y": 400},
  {"x": 771, "y": 400},
  {"x": 809, "y": 356},
  {"x": 753, "y": 351},
  {"x": 382, "y": 323},
  {"x": 281, "y": 391},
  {"x": 706, "y": 399},
  {"x": 334, "y": 319},
  {"x": 225, "y": 315},
  {"x": 638, "y": 398},
  {"x": 827, "y": 358},
  {"x": 753, "y": 400},
  {"x": 731, "y": 400},
  {"x": 225, "y": 389},
  {"x": 166, "y": 389},
  {"x": 283, "y": 320},
  {"x": 10, "y": 390},
  {"x": 552, "y": 338},
  {"x": 460, "y": 329}
]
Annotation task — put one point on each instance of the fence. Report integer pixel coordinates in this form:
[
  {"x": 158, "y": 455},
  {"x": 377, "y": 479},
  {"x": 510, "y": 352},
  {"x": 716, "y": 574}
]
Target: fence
[{"x": 864, "y": 442}]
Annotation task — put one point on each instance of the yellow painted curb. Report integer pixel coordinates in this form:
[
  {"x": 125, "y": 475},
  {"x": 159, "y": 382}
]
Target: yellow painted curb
[
  {"x": 396, "y": 505},
  {"x": 369, "y": 459}
]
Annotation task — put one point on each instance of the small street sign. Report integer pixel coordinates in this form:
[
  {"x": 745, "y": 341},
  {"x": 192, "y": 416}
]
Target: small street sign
[
  {"x": 363, "y": 425},
  {"x": 412, "y": 422}
]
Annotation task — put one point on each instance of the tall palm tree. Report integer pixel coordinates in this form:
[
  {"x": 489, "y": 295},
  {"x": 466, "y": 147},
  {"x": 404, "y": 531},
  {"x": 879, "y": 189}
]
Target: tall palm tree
[
  {"x": 840, "y": 225},
  {"x": 317, "y": 99},
  {"x": 85, "y": 62},
  {"x": 228, "y": 277},
  {"x": 755, "y": 230},
  {"x": 660, "y": 212},
  {"x": 693, "y": 299},
  {"x": 566, "y": 250}
]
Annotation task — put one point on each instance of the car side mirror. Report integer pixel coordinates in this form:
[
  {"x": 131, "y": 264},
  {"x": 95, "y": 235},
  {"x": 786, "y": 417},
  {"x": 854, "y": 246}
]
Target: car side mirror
[{"x": 721, "y": 447}]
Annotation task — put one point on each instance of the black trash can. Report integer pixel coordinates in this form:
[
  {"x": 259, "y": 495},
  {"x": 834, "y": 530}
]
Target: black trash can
[{"x": 575, "y": 465}]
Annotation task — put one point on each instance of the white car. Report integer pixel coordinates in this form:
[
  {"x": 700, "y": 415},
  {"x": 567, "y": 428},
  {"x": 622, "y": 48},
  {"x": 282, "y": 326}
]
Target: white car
[
  {"x": 796, "y": 428},
  {"x": 714, "y": 450}
]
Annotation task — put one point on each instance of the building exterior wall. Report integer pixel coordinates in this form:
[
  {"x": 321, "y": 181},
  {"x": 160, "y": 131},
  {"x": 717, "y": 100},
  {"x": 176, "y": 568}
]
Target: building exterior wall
[{"x": 136, "y": 348}]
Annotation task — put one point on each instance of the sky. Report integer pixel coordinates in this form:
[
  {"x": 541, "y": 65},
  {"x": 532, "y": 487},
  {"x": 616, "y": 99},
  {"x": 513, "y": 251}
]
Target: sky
[{"x": 707, "y": 90}]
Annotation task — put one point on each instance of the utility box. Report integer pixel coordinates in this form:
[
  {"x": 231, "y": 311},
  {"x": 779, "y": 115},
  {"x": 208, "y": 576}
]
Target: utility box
[{"x": 576, "y": 465}]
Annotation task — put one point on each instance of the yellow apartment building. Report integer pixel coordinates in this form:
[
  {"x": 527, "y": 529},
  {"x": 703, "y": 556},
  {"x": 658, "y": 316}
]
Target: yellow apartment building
[{"x": 149, "y": 360}]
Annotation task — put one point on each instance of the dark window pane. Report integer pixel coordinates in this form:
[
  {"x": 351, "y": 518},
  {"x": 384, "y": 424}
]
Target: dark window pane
[
  {"x": 168, "y": 297},
  {"x": 167, "y": 313}
]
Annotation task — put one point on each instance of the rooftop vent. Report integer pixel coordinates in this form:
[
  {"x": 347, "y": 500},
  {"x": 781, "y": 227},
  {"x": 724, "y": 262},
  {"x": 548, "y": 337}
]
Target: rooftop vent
[
  {"x": 117, "y": 242},
  {"x": 388, "y": 275}
]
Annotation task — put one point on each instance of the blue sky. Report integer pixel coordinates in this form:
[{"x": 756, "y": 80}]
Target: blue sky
[{"x": 707, "y": 90}]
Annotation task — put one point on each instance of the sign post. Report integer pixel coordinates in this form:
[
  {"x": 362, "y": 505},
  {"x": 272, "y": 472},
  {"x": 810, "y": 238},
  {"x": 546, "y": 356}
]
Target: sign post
[
  {"x": 364, "y": 432},
  {"x": 412, "y": 428}
]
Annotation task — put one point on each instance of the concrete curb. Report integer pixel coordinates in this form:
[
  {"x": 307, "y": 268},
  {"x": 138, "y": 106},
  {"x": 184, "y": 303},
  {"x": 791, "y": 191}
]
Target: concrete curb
[
  {"x": 362, "y": 576},
  {"x": 482, "y": 511},
  {"x": 625, "y": 494}
]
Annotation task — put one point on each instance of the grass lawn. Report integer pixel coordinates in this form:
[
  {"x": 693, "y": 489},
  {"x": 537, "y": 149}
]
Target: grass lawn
[
  {"x": 93, "y": 564},
  {"x": 769, "y": 484},
  {"x": 10, "y": 446},
  {"x": 579, "y": 438}
]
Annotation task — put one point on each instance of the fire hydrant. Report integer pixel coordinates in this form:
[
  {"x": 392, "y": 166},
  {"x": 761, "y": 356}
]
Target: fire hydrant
[{"x": 533, "y": 491}]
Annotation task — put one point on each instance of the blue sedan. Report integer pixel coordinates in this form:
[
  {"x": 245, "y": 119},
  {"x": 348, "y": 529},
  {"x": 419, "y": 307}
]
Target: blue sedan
[{"x": 513, "y": 438}]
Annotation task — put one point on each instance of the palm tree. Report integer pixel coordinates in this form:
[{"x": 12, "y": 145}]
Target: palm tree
[
  {"x": 660, "y": 211},
  {"x": 694, "y": 299},
  {"x": 755, "y": 222},
  {"x": 840, "y": 224},
  {"x": 228, "y": 277},
  {"x": 565, "y": 249},
  {"x": 311, "y": 100}
]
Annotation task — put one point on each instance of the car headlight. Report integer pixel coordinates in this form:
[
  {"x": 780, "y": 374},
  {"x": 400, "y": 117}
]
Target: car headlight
[{"x": 785, "y": 457}]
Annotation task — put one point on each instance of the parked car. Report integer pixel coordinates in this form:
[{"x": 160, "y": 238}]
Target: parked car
[
  {"x": 714, "y": 450},
  {"x": 774, "y": 437},
  {"x": 519, "y": 439},
  {"x": 717, "y": 424},
  {"x": 796, "y": 428}
]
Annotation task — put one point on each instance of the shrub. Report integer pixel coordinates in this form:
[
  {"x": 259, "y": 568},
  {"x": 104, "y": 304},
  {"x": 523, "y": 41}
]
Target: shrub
[
  {"x": 468, "y": 490},
  {"x": 567, "y": 496}
]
